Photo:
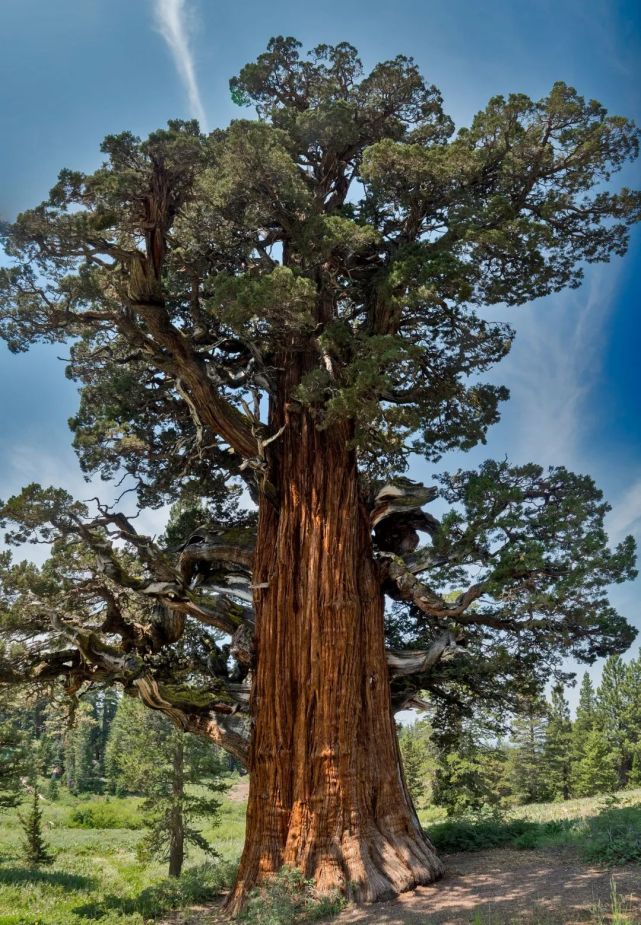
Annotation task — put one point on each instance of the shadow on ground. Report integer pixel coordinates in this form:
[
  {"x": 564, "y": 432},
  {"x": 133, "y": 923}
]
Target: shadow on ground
[
  {"x": 197, "y": 884},
  {"x": 509, "y": 886},
  {"x": 16, "y": 875}
]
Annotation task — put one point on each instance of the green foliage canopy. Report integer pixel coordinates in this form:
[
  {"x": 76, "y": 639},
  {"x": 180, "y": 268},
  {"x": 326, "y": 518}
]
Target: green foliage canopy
[{"x": 351, "y": 234}]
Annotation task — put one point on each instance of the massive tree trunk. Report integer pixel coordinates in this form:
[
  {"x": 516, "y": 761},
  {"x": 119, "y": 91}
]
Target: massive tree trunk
[{"x": 327, "y": 793}]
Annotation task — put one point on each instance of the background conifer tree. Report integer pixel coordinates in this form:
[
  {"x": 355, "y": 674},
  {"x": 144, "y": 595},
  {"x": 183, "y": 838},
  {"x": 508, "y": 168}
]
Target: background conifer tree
[
  {"x": 611, "y": 717},
  {"x": 418, "y": 760},
  {"x": 597, "y": 769},
  {"x": 582, "y": 726},
  {"x": 525, "y": 769},
  {"x": 148, "y": 755},
  {"x": 557, "y": 748},
  {"x": 14, "y": 761}
]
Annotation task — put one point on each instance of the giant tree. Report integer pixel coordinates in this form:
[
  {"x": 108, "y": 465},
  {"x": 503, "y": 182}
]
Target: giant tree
[{"x": 289, "y": 306}]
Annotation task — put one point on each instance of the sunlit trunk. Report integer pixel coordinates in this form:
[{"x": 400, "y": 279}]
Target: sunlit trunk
[{"x": 327, "y": 794}]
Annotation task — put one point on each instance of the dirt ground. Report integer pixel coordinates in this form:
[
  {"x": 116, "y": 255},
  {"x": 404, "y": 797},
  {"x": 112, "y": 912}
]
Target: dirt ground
[
  {"x": 499, "y": 887},
  {"x": 506, "y": 886},
  {"x": 239, "y": 793}
]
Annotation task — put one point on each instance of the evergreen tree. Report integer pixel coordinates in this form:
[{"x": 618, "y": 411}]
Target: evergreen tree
[
  {"x": 557, "y": 748},
  {"x": 634, "y": 778},
  {"x": 597, "y": 771},
  {"x": 80, "y": 740},
  {"x": 470, "y": 766},
  {"x": 417, "y": 761},
  {"x": 525, "y": 763},
  {"x": 290, "y": 304},
  {"x": 14, "y": 763},
  {"x": 34, "y": 848},
  {"x": 57, "y": 721},
  {"x": 150, "y": 756},
  {"x": 611, "y": 717},
  {"x": 82, "y": 769},
  {"x": 581, "y": 728},
  {"x": 631, "y": 721}
]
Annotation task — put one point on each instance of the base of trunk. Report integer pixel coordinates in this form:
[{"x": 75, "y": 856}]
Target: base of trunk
[{"x": 367, "y": 868}]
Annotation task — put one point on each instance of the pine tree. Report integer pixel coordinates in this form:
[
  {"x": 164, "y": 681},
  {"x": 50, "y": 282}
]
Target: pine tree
[
  {"x": 415, "y": 752},
  {"x": 150, "y": 756},
  {"x": 14, "y": 763},
  {"x": 557, "y": 748},
  {"x": 582, "y": 726},
  {"x": 34, "y": 849},
  {"x": 631, "y": 721},
  {"x": 634, "y": 778},
  {"x": 470, "y": 766},
  {"x": 611, "y": 717},
  {"x": 82, "y": 769},
  {"x": 525, "y": 762},
  {"x": 597, "y": 770}
]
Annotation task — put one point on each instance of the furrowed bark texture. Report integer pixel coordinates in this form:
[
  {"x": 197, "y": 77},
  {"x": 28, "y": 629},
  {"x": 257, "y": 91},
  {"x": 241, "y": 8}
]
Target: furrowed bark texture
[{"x": 327, "y": 793}]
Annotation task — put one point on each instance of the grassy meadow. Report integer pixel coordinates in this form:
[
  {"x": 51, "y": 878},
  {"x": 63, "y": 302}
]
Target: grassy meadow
[{"x": 97, "y": 877}]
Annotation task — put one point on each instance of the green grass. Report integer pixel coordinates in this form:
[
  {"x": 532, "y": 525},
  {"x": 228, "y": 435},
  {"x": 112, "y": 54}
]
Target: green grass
[
  {"x": 96, "y": 876},
  {"x": 603, "y": 831},
  {"x": 619, "y": 912}
]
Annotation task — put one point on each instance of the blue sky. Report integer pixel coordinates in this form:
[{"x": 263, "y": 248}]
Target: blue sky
[{"x": 75, "y": 70}]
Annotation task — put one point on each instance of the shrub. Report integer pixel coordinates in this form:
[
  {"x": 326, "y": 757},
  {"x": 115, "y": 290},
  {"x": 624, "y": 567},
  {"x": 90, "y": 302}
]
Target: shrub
[
  {"x": 104, "y": 815},
  {"x": 474, "y": 835},
  {"x": 195, "y": 885},
  {"x": 289, "y": 899},
  {"x": 614, "y": 837}
]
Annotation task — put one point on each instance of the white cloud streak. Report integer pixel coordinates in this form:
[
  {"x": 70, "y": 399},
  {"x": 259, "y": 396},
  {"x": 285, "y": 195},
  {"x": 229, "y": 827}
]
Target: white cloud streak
[
  {"x": 171, "y": 22},
  {"x": 554, "y": 368},
  {"x": 625, "y": 517}
]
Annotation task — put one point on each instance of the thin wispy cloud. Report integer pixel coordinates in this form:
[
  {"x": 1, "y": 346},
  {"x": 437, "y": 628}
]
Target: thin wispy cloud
[
  {"x": 625, "y": 517},
  {"x": 172, "y": 22},
  {"x": 553, "y": 371}
]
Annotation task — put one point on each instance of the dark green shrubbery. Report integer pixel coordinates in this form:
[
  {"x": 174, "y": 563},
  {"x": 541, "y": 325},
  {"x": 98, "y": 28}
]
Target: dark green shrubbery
[
  {"x": 614, "y": 837},
  {"x": 475, "y": 834},
  {"x": 198, "y": 884},
  {"x": 611, "y": 837}
]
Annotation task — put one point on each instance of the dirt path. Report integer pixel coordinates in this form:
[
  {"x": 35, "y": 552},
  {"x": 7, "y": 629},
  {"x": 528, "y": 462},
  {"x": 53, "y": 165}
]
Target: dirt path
[
  {"x": 500, "y": 887},
  {"x": 240, "y": 791},
  {"x": 505, "y": 886}
]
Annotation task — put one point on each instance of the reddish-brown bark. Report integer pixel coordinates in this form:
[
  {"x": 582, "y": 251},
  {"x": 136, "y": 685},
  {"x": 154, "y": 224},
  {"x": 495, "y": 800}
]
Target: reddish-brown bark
[{"x": 327, "y": 793}]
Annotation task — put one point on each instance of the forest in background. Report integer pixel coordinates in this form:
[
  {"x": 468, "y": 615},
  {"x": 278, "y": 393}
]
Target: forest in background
[
  {"x": 104, "y": 743},
  {"x": 543, "y": 756},
  {"x": 118, "y": 782}
]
